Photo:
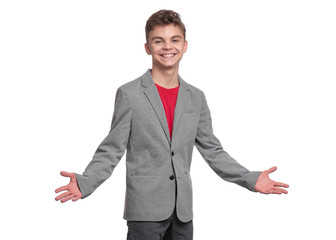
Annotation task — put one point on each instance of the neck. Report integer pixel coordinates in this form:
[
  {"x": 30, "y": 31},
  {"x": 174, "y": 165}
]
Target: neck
[{"x": 165, "y": 78}]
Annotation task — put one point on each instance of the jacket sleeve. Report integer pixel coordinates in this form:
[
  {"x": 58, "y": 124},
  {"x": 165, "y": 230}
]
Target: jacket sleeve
[
  {"x": 111, "y": 150},
  {"x": 219, "y": 160}
]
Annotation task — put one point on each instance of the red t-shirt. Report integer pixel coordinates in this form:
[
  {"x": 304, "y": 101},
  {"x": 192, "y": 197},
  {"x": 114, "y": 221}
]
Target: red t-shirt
[{"x": 168, "y": 98}]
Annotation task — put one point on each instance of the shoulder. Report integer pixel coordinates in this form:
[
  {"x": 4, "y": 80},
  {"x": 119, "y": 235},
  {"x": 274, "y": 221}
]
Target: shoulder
[
  {"x": 131, "y": 85},
  {"x": 192, "y": 89},
  {"x": 130, "y": 88},
  {"x": 133, "y": 90}
]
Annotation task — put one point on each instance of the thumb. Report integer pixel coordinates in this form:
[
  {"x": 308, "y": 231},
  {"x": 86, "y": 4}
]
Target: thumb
[
  {"x": 272, "y": 169},
  {"x": 66, "y": 174}
]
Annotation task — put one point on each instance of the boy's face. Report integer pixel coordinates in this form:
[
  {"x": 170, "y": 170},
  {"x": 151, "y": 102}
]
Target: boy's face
[{"x": 167, "y": 45}]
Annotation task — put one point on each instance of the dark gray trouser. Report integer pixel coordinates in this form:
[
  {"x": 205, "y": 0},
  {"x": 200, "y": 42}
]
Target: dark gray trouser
[{"x": 170, "y": 229}]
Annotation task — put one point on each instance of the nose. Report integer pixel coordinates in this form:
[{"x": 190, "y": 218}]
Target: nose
[{"x": 167, "y": 46}]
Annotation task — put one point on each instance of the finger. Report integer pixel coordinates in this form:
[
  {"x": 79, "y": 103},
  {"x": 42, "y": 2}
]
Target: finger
[
  {"x": 62, "y": 195},
  {"x": 272, "y": 169},
  {"x": 279, "y": 184},
  {"x": 280, "y": 190},
  {"x": 60, "y": 189},
  {"x": 66, "y": 174},
  {"x": 76, "y": 198},
  {"x": 67, "y": 198}
]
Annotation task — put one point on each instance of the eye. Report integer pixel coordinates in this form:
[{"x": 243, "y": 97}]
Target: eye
[{"x": 158, "y": 41}]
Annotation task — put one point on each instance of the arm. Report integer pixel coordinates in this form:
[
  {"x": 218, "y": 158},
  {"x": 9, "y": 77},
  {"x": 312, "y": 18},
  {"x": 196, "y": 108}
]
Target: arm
[
  {"x": 220, "y": 161},
  {"x": 109, "y": 152},
  {"x": 228, "y": 168}
]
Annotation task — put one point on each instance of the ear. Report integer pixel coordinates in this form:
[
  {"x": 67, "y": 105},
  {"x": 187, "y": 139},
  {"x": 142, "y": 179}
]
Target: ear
[
  {"x": 185, "y": 46},
  {"x": 147, "y": 49}
]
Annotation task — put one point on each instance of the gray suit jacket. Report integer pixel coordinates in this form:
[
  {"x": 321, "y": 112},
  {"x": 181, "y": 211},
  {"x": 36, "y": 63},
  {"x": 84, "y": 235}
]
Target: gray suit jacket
[{"x": 158, "y": 168}]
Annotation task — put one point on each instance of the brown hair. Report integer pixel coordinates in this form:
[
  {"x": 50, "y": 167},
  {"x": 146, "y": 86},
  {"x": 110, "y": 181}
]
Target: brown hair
[{"x": 164, "y": 17}]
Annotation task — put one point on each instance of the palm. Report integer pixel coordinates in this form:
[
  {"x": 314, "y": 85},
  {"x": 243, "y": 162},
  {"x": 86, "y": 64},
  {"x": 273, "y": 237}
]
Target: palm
[
  {"x": 72, "y": 189},
  {"x": 268, "y": 186}
]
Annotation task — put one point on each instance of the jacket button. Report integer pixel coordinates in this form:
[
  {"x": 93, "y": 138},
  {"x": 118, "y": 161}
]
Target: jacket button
[
  {"x": 171, "y": 177},
  {"x": 172, "y": 154}
]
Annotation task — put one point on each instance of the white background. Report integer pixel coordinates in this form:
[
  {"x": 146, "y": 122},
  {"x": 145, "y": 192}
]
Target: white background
[{"x": 266, "y": 67}]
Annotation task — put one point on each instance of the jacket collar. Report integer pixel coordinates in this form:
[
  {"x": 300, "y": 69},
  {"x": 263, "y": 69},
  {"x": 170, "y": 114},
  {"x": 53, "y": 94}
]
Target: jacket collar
[
  {"x": 147, "y": 80},
  {"x": 153, "y": 96}
]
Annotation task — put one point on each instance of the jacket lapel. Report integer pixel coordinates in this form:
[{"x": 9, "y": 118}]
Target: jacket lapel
[
  {"x": 181, "y": 103},
  {"x": 153, "y": 96}
]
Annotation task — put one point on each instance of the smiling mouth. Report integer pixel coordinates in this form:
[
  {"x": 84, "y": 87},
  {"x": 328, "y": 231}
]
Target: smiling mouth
[{"x": 168, "y": 55}]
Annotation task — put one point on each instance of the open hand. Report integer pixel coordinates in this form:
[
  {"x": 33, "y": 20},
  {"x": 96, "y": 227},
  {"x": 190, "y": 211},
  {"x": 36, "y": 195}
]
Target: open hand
[
  {"x": 72, "y": 189},
  {"x": 268, "y": 186}
]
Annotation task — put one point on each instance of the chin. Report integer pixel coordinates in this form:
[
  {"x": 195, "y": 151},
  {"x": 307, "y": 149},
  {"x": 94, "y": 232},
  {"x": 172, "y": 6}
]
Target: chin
[{"x": 168, "y": 66}]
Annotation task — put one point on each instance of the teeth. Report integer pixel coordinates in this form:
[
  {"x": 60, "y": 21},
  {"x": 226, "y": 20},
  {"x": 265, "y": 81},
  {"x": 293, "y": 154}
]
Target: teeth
[{"x": 168, "y": 55}]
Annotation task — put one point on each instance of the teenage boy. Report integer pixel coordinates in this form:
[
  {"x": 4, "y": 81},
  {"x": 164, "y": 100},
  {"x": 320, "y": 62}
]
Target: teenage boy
[{"x": 159, "y": 118}]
